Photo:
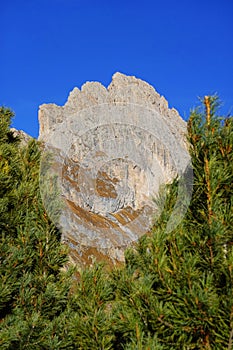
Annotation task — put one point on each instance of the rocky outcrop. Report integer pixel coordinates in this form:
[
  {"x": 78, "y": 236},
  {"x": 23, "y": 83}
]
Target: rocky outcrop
[
  {"x": 107, "y": 151},
  {"x": 22, "y": 135}
]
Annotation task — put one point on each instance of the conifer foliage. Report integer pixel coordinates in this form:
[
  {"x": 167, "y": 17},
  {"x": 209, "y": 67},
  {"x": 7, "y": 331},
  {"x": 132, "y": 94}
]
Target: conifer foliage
[
  {"x": 181, "y": 283},
  {"x": 33, "y": 289},
  {"x": 175, "y": 290}
]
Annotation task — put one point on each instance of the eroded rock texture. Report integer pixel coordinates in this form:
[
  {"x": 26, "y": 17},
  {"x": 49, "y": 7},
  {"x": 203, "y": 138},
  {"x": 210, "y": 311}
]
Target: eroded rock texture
[
  {"x": 23, "y": 136},
  {"x": 107, "y": 153}
]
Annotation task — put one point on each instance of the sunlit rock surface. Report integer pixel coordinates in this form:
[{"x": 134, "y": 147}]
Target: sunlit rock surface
[
  {"x": 107, "y": 151},
  {"x": 22, "y": 135}
]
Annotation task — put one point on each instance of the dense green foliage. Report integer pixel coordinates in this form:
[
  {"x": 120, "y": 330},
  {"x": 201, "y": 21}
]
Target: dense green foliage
[
  {"x": 175, "y": 290},
  {"x": 183, "y": 292},
  {"x": 33, "y": 289}
]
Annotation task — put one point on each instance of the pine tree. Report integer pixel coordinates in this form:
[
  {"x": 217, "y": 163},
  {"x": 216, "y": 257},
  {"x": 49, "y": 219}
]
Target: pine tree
[
  {"x": 34, "y": 290},
  {"x": 175, "y": 290},
  {"x": 177, "y": 287}
]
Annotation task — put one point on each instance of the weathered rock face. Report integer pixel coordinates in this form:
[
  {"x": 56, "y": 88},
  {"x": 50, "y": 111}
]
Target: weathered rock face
[
  {"x": 22, "y": 135},
  {"x": 111, "y": 150}
]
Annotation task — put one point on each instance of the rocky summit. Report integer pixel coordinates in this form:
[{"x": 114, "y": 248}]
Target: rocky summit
[{"x": 106, "y": 153}]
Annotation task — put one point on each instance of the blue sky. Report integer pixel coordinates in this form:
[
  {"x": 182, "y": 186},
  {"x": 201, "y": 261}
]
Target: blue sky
[{"x": 183, "y": 48}]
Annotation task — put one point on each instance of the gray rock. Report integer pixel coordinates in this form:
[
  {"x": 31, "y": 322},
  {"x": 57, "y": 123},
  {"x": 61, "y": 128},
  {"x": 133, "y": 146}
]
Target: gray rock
[
  {"x": 22, "y": 135},
  {"x": 109, "y": 151}
]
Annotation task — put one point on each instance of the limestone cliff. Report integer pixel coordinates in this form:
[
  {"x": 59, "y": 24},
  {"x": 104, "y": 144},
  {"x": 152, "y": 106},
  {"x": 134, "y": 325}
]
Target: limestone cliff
[{"x": 109, "y": 150}]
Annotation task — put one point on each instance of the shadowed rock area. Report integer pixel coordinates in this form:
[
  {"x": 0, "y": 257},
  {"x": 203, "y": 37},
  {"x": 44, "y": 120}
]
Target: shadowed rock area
[{"x": 106, "y": 153}]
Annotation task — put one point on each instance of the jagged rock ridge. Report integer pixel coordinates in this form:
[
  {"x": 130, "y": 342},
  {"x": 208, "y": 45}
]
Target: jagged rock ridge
[{"x": 112, "y": 149}]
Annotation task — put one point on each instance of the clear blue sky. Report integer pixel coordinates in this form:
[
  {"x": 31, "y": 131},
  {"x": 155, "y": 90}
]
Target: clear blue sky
[{"x": 183, "y": 48}]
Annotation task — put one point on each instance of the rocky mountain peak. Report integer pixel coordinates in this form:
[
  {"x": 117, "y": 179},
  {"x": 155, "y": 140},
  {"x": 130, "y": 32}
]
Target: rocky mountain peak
[{"x": 111, "y": 150}]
